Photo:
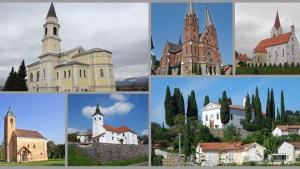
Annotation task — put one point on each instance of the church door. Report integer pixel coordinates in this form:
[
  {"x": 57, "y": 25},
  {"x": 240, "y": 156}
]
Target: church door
[
  {"x": 211, "y": 124},
  {"x": 24, "y": 156}
]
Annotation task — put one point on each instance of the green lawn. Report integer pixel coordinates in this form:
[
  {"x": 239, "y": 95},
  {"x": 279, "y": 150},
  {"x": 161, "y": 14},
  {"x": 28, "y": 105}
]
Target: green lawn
[
  {"x": 50, "y": 162},
  {"x": 268, "y": 70},
  {"x": 75, "y": 158}
]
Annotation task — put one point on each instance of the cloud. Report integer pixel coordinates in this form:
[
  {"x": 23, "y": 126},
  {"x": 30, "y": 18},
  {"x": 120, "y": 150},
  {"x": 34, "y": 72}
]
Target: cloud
[
  {"x": 145, "y": 132},
  {"x": 125, "y": 72},
  {"x": 73, "y": 130},
  {"x": 118, "y": 97},
  {"x": 119, "y": 108}
]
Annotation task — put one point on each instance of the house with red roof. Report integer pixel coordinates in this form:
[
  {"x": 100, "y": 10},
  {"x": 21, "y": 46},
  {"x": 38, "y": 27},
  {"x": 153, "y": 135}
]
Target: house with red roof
[
  {"x": 280, "y": 48},
  {"x": 214, "y": 153},
  {"x": 104, "y": 133},
  {"x": 21, "y": 145},
  {"x": 241, "y": 58},
  {"x": 288, "y": 152},
  {"x": 285, "y": 130},
  {"x": 211, "y": 115}
]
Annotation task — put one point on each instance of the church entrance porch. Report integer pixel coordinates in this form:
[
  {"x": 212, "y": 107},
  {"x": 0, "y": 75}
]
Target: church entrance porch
[{"x": 24, "y": 155}]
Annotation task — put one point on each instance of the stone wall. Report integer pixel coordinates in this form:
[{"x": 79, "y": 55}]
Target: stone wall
[
  {"x": 219, "y": 132},
  {"x": 104, "y": 153}
]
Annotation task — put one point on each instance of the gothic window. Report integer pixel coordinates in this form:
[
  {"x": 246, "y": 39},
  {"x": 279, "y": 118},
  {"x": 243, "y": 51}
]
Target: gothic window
[
  {"x": 101, "y": 73},
  {"x": 38, "y": 76},
  {"x": 65, "y": 74},
  {"x": 195, "y": 50},
  {"x": 44, "y": 71},
  {"x": 69, "y": 73},
  {"x": 31, "y": 77},
  {"x": 46, "y": 31},
  {"x": 55, "y": 31},
  {"x": 194, "y": 34},
  {"x": 80, "y": 73},
  {"x": 57, "y": 75},
  {"x": 208, "y": 53}
]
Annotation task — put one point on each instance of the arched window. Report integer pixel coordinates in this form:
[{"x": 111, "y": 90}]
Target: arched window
[
  {"x": 84, "y": 73},
  {"x": 31, "y": 77},
  {"x": 11, "y": 120},
  {"x": 101, "y": 73},
  {"x": 46, "y": 31},
  {"x": 208, "y": 53},
  {"x": 57, "y": 75},
  {"x": 38, "y": 76},
  {"x": 34, "y": 146},
  {"x": 65, "y": 74},
  {"x": 69, "y": 73},
  {"x": 55, "y": 31},
  {"x": 80, "y": 73},
  {"x": 99, "y": 118}
]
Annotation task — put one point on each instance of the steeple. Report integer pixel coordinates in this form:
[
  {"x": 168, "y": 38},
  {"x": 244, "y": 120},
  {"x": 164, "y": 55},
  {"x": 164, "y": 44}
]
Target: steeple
[
  {"x": 277, "y": 22},
  {"x": 51, "y": 12},
  {"x": 97, "y": 111},
  {"x": 179, "y": 42},
  {"x": 208, "y": 20},
  {"x": 152, "y": 46},
  {"x": 191, "y": 9},
  {"x": 10, "y": 112}
]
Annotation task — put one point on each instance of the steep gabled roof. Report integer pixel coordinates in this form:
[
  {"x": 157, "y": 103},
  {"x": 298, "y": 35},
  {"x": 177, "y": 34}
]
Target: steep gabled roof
[
  {"x": 277, "y": 40},
  {"x": 22, "y": 148},
  {"x": 174, "y": 48},
  {"x": 277, "y": 22},
  {"x": 243, "y": 57},
  {"x": 51, "y": 12},
  {"x": 121, "y": 129},
  {"x": 28, "y": 133}
]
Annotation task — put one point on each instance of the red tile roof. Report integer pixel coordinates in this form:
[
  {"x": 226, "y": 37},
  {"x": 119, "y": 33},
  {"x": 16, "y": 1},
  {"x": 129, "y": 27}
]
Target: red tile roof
[
  {"x": 121, "y": 129},
  {"x": 277, "y": 40},
  {"x": 223, "y": 146},
  {"x": 243, "y": 57},
  {"x": 28, "y": 133},
  {"x": 238, "y": 107},
  {"x": 283, "y": 127},
  {"x": 295, "y": 144}
]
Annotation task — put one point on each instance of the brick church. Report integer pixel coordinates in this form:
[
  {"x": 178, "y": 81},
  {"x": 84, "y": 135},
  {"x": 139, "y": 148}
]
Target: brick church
[{"x": 197, "y": 53}]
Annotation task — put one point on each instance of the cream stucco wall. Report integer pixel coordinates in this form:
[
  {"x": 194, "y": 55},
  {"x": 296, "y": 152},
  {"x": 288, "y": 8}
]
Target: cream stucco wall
[{"x": 37, "y": 147}]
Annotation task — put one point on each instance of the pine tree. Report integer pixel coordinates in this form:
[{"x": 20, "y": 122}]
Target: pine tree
[
  {"x": 257, "y": 106},
  {"x": 229, "y": 101},
  {"x": 283, "y": 115},
  {"x": 10, "y": 82},
  {"x": 21, "y": 81},
  {"x": 248, "y": 112},
  {"x": 206, "y": 100},
  {"x": 272, "y": 105},
  {"x": 225, "y": 110},
  {"x": 268, "y": 106},
  {"x": 168, "y": 112},
  {"x": 187, "y": 142}
]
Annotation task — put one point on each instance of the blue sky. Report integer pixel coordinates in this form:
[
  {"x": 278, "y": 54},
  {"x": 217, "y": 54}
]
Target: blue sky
[
  {"x": 167, "y": 23},
  {"x": 236, "y": 88},
  {"x": 44, "y": 113},
  {"x": 129, "y": 110}
]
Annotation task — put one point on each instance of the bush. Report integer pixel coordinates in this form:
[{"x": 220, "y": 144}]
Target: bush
[
  {"x": 279, "y": 64},
  {"x": 252, "y": 64},
  {"x": 157, "y": 160},
  {"x": 255, "y": 71},
  {"x": 249, "y": 163},
  {"x": 255, "y": 64},
  {"x": 270, "y": 65},
  {"x": 298, "y": 64},
  {"x": 265, "y": 65},
  {"x": 292, "y": 65},
  {"x": 274, "y": 64},
  {"x": 260, "y": 64}
]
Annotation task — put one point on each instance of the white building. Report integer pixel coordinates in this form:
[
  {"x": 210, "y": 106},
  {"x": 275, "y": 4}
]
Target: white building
[
  {"x": 84, "y": 136},
  {"x": 212, "y": 154},
  {"x": 281, "y": 48},
  {"x": 282, "y": 130},
  {"x": 211, "y": 115},
  {"x": 288, "y": 152},
  {"x": 107, "y": 134}
]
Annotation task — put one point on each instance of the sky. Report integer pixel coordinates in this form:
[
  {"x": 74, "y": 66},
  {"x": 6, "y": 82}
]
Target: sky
[
  {"x": 236, "y": 89},
  {"x": 167, "y": 23},
  {"x": 34, "y": 112},
  {"x": 129, "y": 110},
  {"x": 121, "y": 28},
  {"x": 252, "y": 27}
]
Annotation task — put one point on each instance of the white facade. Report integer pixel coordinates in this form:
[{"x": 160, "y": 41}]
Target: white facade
[
  {"x": 83, "y": 138},
  {"x": 286, "y": 130},
  {"x": 289, "y": 151}
]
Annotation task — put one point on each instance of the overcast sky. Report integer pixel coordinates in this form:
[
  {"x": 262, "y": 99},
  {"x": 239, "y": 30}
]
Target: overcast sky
[
  {"x": 121, "y": 28},
  {"x": 254, "y": 22}
]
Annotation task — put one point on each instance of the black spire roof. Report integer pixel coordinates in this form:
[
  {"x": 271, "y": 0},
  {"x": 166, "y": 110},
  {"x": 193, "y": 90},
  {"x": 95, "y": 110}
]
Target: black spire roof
[
  {"x": 51, "y": 12},
  {"x": 97, "y": 111}
]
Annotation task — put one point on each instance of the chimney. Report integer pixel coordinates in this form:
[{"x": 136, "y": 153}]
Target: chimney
[{"x": 244, "y": 102}]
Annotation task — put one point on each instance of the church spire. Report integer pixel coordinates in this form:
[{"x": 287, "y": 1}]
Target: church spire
[
  {"x": 179, "y": 42},
  {"x": 208, "y": 20},
  {"x": 10, "y": 112},
  {"x": 152, "y": 46},
  {"x": 277, "y": 22},
  {"x": 51, "y": 12},
  {"x": 191, "y": 9},
  {"x": 97, "y": 111}
]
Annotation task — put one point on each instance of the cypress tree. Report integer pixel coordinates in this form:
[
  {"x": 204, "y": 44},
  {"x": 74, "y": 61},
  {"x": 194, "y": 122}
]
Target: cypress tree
[
  {"x": 278, "y": 114},
  {"x": 188, "y": 111},
  {"x": 253, "y": 102},
  {"x": 181, "y": 105},
  {"x": 225, "y": 110},
  {"x": 187, "y": 143},
  {"x": 192, "y": 106},
  {"x": 283, "y": 115},
  {"x": 220, "y": 101},
  {"x": 248, "y": 112},
  {"x": 272, "y": 105},
  {"x": 10, "y": 82},
  {"x": 206, "y": 100},
  {"x": 175, "y": 103},
  {"x": 168, "y": 112},
  {"x": 268, "y": 106},
  {"x": 21, "y": 81},
  {"x": 257, "y": 106}
]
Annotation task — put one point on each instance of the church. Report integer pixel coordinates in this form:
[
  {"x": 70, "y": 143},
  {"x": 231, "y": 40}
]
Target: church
[
  {"x": 76, "y": 69},
  {"x": 21, "y": 145},
  {"x": 279, "y": 49},
  {"x": 197, "y": 53},
  {"x": 104, "y": 133}
]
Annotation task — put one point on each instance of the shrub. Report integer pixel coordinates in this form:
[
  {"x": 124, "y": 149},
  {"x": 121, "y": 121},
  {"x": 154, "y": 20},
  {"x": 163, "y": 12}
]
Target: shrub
[
  {"x": 157, "y": 160},
  {"x": 255, "y": 71},
  {"x": 292, "y": 65},
  {"x": 255, "y": 64},
  {"x": 298, "y": 64},
  {"x": 265, "y": 65},
  {"x": 279, "y": 64},
  {"x": 270, "y": 65},
  {"x": 249, "y": 163},
  {"x": 260, "y": 64},
  {"x": 274, "y": 64}
]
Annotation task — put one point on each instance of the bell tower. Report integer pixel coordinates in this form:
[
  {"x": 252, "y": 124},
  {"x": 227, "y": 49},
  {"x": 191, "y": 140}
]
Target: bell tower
[
  {"x": 97, "y": 119},
  {"x": 9, "y": 151},
  {"x": 191, "y": 24},
  {"x": 51, "y": 40},
  {"x": 277, "y": 29}
]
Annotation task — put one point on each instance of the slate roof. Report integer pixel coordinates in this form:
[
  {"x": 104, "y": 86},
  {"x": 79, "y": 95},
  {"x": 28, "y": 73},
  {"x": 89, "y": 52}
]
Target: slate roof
[
  {"x": 174, "y": 48},
  {"x": 28, "y": 133},
  {"x": 97, "y": 111},
  {"x": 71, "y": 63},
  {"x": 51, "y": 12},
  {"x": 90, "y": 51}
]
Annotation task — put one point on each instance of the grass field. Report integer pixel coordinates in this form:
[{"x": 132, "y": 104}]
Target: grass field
[
  {"x": 50, "y": 162},
  {"x": 75, "y": 158},
  {"x": 268, "y": 70}
]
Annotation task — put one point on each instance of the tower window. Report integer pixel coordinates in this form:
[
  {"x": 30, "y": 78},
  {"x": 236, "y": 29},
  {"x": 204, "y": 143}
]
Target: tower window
[
  {"x": 101, "y": 73},
  {"x": 80, "y": 72},
  {"x": 46, "y": 31},
  {"x": 11, "y": 120},
  {"x": 55, "y": 31},
  {"x": 38, "y": 76},
  {"x": 99, "y": 118},
  {"x": 69, "y": 73},
  {"x": 65, "y": 74},
  {"x": 31, "y": 77},
  {"x": 84, "y": 73},
  {"x": 95, "y": 118},
  {"x": 28, "y": 146},
  {"x": 57, "y": 75}
]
